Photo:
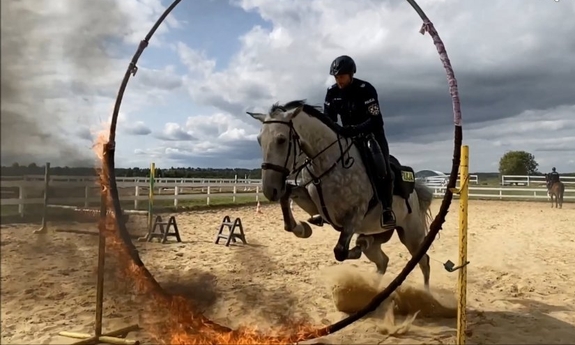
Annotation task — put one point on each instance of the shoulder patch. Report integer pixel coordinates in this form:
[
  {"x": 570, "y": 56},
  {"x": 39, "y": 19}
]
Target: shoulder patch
[
  {"x": 362, "y": 85},
  {"x": 373, "y": 109}
]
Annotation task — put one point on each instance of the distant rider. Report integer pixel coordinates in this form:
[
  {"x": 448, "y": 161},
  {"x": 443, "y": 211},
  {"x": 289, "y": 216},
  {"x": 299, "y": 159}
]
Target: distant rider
[{"x": 552, "y": 177}]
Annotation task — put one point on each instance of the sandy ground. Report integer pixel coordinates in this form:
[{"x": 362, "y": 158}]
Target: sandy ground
[{"x": 520, "y": 278}]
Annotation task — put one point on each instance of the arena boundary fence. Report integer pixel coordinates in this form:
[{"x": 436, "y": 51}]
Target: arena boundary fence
[{"x": 179, "y": 191}]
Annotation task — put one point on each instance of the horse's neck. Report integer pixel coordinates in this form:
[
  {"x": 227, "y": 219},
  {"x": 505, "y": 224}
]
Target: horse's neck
[{"x": 316, "y": 137}]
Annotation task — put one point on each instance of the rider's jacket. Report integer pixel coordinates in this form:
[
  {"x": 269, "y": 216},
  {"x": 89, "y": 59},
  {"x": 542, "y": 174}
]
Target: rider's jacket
[
  {"x": 357, "y": 105},
  {"x": 553, "y": 176}
]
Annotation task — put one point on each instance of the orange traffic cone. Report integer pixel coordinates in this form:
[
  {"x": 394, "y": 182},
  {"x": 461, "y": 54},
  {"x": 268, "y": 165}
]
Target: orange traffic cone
[{"x": 258, "y": 208}]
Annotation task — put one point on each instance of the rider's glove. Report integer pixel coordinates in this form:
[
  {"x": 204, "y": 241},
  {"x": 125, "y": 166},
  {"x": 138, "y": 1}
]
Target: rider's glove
[{"x": 348, "y": 131}]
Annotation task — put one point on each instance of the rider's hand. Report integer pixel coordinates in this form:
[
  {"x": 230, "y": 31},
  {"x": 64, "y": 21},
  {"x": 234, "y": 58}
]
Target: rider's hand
[{"x": 348, "y": 131}]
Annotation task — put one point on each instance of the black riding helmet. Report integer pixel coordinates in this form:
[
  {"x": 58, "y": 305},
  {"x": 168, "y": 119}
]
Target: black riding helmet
[{"x": 342, "y": 65}]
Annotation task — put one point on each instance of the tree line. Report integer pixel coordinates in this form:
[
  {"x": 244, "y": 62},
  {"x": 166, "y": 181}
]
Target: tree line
[
  {"x": 183, "y": 172},
  {"x": 522, "y": 163},
  {"x": 511, "y": 163}
]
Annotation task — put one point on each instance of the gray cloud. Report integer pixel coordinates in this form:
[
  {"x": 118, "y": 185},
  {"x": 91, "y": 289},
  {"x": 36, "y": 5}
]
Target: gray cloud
[
  {"x": 62, "y": 63},
  {"x": 31, "y": 131},
  {"x": 137, "y": 128},
  {"x": 173, "y": 132}
]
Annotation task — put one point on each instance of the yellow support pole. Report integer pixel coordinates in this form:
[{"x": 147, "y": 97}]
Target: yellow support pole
[
  {"x": 462, "y": 281},
  {"x": 151, "y": 196}
]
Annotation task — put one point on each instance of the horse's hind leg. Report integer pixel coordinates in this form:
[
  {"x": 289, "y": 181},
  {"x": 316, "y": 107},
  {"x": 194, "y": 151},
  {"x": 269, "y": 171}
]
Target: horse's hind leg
[
  {"x": 371, "y": 247},
  {"x": 412, "y": 244}
]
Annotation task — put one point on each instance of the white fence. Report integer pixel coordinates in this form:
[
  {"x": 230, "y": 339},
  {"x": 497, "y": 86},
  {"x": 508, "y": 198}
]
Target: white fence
[
  {"x": 177, "y": 190},
  {"x": 527, "y": 180},
  {"x": 441, "y": 181}
]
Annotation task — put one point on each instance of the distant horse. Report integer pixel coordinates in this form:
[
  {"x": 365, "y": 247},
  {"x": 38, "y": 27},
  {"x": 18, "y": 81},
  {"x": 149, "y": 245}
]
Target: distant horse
[
  {"x": 336, "y": 185},
  {"x": 555, "y": 189}
]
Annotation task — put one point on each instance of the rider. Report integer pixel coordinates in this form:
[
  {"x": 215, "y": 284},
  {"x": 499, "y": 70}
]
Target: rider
[
  {"x": 356, "y": 103},
  {"x": 553, "y": 177}
]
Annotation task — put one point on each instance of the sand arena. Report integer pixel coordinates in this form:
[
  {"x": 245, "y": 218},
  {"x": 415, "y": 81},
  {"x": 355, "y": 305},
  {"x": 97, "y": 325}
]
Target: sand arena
[{"x": 520, "y": 278}]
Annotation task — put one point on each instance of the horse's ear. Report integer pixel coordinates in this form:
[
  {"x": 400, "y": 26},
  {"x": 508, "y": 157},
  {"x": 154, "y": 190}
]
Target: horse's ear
[
  {"x": 290, "y": 115},
  {"x": 258, "y": 116}
]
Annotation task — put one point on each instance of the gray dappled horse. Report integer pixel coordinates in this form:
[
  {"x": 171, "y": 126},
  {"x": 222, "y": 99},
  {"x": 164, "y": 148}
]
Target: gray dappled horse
[{"x": 335, "y": 185}]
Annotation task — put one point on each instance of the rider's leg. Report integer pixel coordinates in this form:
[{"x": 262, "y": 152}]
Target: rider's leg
[{"x": 388, "y": 217}]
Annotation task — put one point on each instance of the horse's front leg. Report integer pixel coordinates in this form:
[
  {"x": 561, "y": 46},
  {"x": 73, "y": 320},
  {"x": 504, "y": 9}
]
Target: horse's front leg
[{"x": 298, "y": 228}]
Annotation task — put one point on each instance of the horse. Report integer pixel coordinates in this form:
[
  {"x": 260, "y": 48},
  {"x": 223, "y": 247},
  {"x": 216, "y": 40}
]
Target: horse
[
  {"x": 335, "y": 185},
  {"x": 555, "y": 189}
]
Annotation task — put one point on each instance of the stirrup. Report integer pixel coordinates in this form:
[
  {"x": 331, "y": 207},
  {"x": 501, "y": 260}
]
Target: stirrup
[
  {"x": 391, "y": 224},
  {"x": 316, "y": 220}
]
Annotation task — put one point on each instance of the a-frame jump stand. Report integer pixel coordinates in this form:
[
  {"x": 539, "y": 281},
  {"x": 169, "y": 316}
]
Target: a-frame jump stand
[
  {"x": 231, "y": 235},
  {"x": 158, "y": 231}
]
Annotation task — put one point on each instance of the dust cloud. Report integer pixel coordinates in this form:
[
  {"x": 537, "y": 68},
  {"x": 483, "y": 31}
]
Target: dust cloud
[
  {"x": 352, "y": 290},
  {"x": 55, "y": 56}
]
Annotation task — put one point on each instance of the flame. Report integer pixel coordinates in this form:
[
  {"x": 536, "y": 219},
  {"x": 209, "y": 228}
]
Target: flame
[{"x": 183, "y": 324}]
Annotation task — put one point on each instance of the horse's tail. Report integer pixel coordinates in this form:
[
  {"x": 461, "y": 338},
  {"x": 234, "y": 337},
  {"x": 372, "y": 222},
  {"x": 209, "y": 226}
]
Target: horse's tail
[
  {"x": 561, "y": 191},
  {"x": 425, "y": 197}
]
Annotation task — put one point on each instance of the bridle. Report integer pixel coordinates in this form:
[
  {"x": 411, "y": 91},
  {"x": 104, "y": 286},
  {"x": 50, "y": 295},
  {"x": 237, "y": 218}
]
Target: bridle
[{"x": 294, "y": 144}]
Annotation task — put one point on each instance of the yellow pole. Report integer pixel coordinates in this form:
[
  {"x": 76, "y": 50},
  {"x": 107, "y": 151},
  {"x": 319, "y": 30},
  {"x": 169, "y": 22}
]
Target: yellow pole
[
  {"x": 151, "y": 196},
  {"x": 462, "y": 281}
]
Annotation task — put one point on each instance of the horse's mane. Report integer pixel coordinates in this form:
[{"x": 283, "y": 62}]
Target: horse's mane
[{"x": 312, "y": 110}]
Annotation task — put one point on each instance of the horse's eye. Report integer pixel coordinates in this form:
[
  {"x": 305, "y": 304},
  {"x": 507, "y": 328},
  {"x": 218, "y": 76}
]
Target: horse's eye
[{"x": 281, "y": 140}]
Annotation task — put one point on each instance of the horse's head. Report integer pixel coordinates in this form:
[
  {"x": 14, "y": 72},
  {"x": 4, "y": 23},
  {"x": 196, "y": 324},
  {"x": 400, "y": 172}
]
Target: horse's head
[{"x": 280, "y": 145}]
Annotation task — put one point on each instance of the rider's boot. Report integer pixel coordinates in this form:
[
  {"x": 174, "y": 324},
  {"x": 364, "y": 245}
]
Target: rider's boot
[
  {"x": 388, "y": 216},
  {"x": 316, "y": 220}
]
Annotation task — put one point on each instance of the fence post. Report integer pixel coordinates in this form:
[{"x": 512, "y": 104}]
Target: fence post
[
  {"x": 151, "y": 196},
  {"x": 208, "y": 196},
  {"x": 44, "y": 228},
  {"x": 136, "y": 194},
  {"x": 21, "y": 197},
  {"x": 86, "y": 196},
  {"x": 176, "y": 193},
  {"x": 462, "y": 281},
  {"x": 257, "y": 193},
  {"x": 234, "y": 197}
]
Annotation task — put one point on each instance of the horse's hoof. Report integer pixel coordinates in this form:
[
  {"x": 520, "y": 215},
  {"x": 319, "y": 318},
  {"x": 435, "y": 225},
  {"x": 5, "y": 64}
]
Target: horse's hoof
[
  {"x": 354, "y": 253},
  {"x": 303, "y": 230},
  {"x": 340, "y": 253}
]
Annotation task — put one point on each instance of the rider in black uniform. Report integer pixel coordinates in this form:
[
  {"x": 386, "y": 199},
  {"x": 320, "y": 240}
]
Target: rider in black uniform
[
  {"x": 356, "y": 103},
  {"x": 553, "y": 177}
]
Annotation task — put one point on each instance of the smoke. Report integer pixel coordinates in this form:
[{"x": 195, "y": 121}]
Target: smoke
[{"x": 57, "y": 63}]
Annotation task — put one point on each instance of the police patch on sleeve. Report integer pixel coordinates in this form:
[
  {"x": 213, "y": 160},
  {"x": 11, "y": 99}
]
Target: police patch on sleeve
[{"x": 373, "y": 109}]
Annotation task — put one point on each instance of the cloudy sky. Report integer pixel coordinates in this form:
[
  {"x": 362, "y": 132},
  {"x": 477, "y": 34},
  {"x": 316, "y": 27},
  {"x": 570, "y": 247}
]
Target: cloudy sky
[{"x": 63, "y": 60}]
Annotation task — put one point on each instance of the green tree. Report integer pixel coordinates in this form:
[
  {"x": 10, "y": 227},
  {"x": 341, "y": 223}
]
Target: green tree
[{"x": 518, "y": 163}]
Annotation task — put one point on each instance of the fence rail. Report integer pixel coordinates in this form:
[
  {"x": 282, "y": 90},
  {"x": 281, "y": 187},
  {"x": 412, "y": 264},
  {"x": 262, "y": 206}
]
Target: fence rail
[
  {"x": 177, "y": 190},
  {"x": 528, "y": 180}
]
